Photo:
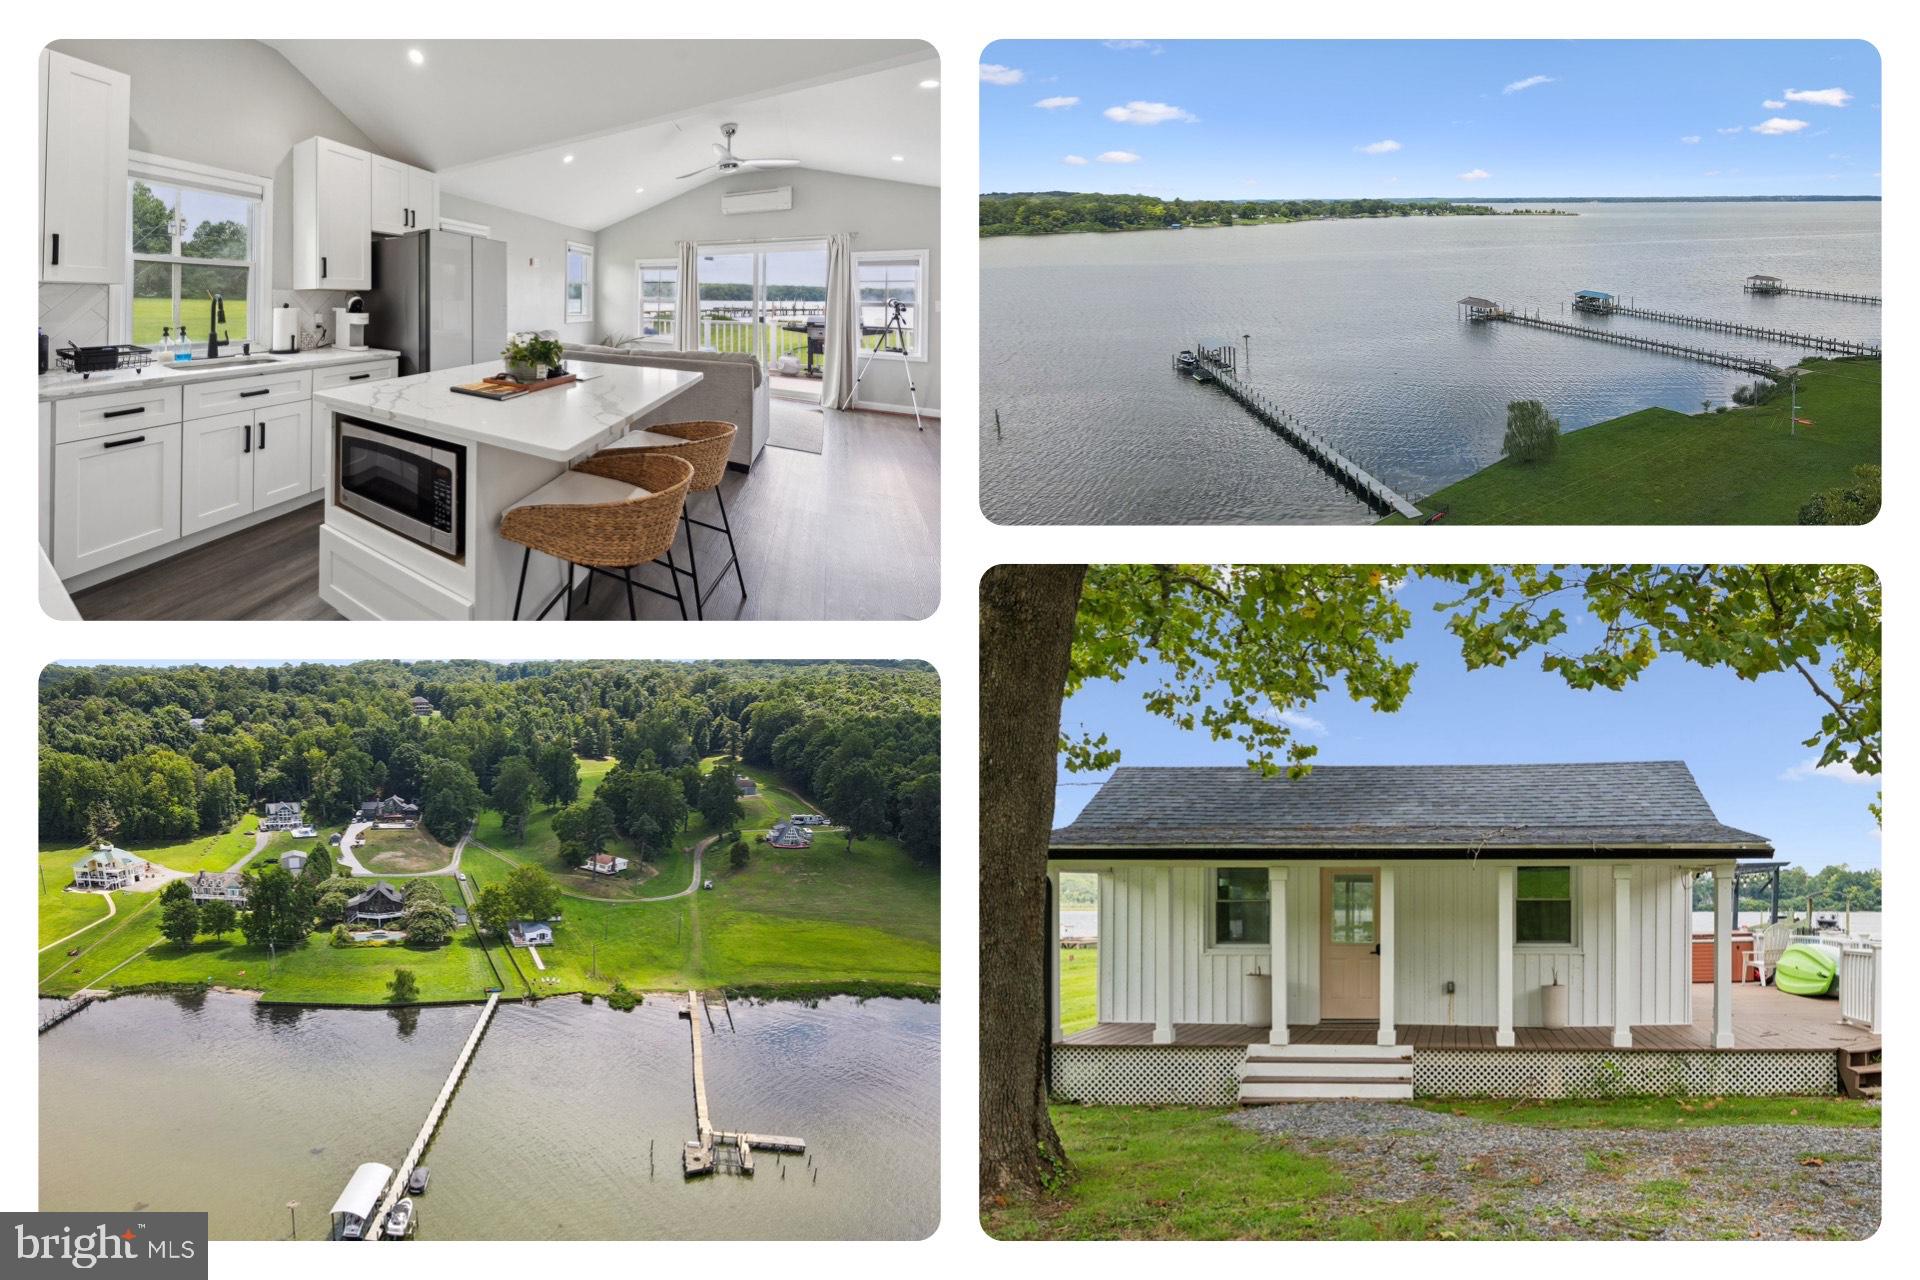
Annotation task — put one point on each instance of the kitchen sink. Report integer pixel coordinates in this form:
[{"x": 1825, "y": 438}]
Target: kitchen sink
[{"x": 220, "y": 362}]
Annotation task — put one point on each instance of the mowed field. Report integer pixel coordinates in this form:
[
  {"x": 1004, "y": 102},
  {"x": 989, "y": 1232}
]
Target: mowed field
[
  {"x": 411, "y": 851},
  {"x": 150, "y": 315}
]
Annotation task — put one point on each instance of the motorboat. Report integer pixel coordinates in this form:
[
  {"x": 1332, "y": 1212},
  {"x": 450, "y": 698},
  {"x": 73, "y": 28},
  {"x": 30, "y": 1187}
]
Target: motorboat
[
  {"x": 1186, "y": 361},
  {"x": 400, "y": 1220},
  {"x": 417, "y": 1184}
]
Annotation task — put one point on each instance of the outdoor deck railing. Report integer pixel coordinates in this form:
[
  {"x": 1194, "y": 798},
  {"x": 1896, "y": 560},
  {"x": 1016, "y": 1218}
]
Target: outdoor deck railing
[
  {"x": 1861, "y": 989},
  {"x": 737, "y": 327}
]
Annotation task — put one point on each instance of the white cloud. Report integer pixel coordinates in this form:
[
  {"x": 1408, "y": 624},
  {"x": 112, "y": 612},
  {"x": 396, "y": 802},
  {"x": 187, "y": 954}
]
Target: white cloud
[
  {"x": 1302, "y": 721},
  {"x": 1073, "y": 159},
  {"x": 1530, "y": 82},
  {"x": 1711, "y": 173},
  {"x": 994, "y": 73},
  {"x": 1737, "y": 128},
  {"x": 1055, "y": 104},
  {"x": 1820, "y": 97},
  {"x": 1380, "y": 148},
  {"x": 1138, "y": 112},
  {"x": 1773, "y": 104},
  {"x": 1839, "y": 771},
  {"x": 1117, "y": 157},
  {"x": 1692, "y": 139},
  {"x": 1774, "y": 126},
  {"x": 1474, "y": 175}
]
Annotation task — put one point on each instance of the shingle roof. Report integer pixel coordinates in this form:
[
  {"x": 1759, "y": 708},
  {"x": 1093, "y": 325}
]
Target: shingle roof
[{"x": 1410, "y": 806}]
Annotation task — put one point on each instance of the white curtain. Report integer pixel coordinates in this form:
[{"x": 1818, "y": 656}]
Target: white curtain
[
  {"x": 843, "y": 326},
  {"x": 686, "y": 310}
]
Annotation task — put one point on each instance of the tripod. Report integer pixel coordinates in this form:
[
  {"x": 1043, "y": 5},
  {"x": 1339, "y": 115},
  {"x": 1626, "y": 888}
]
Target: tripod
[{"x": 895, "y": 333}]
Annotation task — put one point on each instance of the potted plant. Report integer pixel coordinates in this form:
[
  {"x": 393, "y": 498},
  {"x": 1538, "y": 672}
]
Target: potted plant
[
  {"x": 1553, "y": 1002},
  {"x": 531, "y": 357}
]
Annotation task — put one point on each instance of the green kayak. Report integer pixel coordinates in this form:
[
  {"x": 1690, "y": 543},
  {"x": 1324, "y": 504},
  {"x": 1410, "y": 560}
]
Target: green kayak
[{"x": 1807, "y": 969}]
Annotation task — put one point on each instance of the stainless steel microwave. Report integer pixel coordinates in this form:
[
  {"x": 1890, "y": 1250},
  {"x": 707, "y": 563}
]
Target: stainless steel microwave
[{"x": 412, "y": 485}]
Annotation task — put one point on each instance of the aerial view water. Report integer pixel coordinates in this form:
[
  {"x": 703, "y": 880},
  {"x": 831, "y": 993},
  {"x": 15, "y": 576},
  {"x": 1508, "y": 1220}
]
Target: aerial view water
[
  {"x": 568, "y": 1124},
  {"x": 1352, "y": 325}
]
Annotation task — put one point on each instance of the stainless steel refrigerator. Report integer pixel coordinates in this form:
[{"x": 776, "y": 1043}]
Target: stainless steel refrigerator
[{"x": 439, "y": 298}]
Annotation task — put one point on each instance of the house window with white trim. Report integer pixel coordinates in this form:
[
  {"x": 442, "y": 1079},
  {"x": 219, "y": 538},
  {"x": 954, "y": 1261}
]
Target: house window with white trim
[
  {"x": 888, "y": 285},
  {"x": 195, "y": 235},
  {"x": 579, "y": 296},
  {"x": 1242, "y": 912},
  {"x": 659, "y": 295},
  {"x": 1543, "y": 906}
]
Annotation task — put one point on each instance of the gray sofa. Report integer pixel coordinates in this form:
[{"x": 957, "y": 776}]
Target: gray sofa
[{"x": 733, "y": 388}]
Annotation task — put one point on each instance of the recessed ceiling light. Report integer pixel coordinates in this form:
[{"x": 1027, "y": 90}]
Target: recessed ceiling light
[
  {"x": 639, "y": 191},
  {"x": 899, "y": 159},
  {"x": 929, "y": 84},
  {"x": 566, "y": 159},
  {"x": 416, "y": 57}
]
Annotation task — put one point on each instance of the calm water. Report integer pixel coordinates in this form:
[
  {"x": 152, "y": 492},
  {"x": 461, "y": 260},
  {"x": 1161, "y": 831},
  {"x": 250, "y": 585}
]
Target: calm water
[
  {"x": 1354, "y": 328},
  {"x": 222, "y": 1104}
]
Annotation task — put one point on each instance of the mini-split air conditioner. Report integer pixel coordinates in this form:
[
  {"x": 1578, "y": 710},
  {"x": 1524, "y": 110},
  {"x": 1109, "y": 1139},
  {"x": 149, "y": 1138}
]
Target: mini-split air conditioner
[{"x": 771, "y": 200}]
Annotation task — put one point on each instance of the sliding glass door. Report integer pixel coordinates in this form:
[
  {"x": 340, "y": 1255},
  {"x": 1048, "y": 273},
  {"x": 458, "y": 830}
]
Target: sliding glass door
[{"x": 769, "y": 300}]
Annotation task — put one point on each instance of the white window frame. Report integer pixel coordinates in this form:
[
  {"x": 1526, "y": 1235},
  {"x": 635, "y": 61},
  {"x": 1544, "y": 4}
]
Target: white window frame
[
  {"x": 640, "y": 267},
  {"x": 1214, "y": 942},
  {"x": 923, "y": 305},
  {"x": 1573, "y": 907},
  {"x": 586, "y": 291},
  {"x": 148, "y": 167}
]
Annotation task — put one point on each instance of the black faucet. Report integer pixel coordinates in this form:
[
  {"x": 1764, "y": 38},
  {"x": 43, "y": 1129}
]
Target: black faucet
[{"x": 216, "y": 315}]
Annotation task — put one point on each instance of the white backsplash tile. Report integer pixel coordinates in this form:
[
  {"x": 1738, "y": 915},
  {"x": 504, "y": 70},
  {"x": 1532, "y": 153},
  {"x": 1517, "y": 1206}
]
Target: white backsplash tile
[{"x": 74, "y": 313}]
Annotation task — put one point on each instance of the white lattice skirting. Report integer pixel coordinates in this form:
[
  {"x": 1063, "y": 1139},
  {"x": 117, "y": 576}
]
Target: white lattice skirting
[
  {"x": 1148, "y": 1075},
  {"x": 1173, "y": 1075},
  {"x": 1519, "y": 1074}
]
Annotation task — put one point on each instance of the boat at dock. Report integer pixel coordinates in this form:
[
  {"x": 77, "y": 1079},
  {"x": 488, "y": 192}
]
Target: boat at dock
[
  {"x": 400, "y": 1219},
  {"x": 354, "y": 1208}
]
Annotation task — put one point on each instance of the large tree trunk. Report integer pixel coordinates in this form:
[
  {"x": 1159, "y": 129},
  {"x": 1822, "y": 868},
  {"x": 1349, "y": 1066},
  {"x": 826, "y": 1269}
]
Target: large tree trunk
[{"x": 1026, "y": 638}]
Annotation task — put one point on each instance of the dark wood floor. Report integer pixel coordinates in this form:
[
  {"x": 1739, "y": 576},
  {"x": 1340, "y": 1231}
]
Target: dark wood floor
[{"x": 851, "y": 533}]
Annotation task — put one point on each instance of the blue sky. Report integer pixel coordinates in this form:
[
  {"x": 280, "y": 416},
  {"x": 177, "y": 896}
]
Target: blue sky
[
  {"x": 1459, "y": 119},
  {"x": 1741, "y": 739}
]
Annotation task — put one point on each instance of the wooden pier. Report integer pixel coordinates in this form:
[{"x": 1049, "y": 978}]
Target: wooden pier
[
  {"x": 72, "y": 1005},
  {"x": 1219, "y": 366},
  {"x": 1773, "y": 285},
  {"x": 697, "y": 1157},
  {"x": 1725, "y": 359},
  {"x": 1782, "y": 337},
  {"x": 398, "y": 1186}
]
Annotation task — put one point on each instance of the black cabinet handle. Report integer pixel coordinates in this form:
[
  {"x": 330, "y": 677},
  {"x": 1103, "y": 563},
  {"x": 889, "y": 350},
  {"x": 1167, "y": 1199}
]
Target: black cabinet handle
[
  {"x": 263, "y": 435},
  {"x": 323, "y": 266},
  {"x": 122, "y": 413},
  {"x": 115, "y": 444},
  {"x": 257, "y": 391},
  {"x": 56, "y": 248},
  {"x": 246, "y": 440},
  {"x": 358, "y": 377}
]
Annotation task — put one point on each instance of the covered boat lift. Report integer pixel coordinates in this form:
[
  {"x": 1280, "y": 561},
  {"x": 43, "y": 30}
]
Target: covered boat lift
[{"x": 353, "y": 1211}]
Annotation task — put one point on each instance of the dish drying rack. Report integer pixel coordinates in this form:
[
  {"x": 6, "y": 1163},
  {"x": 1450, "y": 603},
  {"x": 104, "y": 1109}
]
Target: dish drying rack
[{"x": 87, "y": 361}]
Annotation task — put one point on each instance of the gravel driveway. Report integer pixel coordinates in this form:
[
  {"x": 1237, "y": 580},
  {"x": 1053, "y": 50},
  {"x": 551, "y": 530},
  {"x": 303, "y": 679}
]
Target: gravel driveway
[{"x": 1488, "y": 1179}]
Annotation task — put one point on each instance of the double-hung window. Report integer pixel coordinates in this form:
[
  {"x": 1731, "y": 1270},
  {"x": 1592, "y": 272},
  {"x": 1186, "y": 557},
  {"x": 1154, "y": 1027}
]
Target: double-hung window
[
  {"x": 579, "y": 295},
  {"x": 196, "y": 233},
  {"x": 1543, "y": 906},
  {"x": 1242, "y": 910},
  {"x": 890, "y": 301},
  {"x": 659, "y": 299}
]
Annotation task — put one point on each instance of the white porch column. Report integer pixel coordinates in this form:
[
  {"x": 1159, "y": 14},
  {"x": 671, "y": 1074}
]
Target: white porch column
[
  {"x": 1163, "y": 955},
  {"x": 1053, "y": 953},
  {"x": 1503, "y": 957},
  {"x": 1387, "y": 1033},
  {"x": 1277, "y": 932},
  {"x": 1723, "y": 956},
  {"x": 1622, "y": 950}
]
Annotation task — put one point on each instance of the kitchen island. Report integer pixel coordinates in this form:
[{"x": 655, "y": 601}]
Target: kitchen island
[{"x": 414, "y": 447}]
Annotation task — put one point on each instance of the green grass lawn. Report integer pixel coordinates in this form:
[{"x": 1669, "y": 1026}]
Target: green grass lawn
[
  {"x": 1663, "y": 1113},
  {"x": 151, "y": 314},
  {"x": 1656, "y": 466},
  {"x": 1079, "y": 988},
  {"x": 62, "y": 912},
  {"x": 316, "y": 973},
  {"x": 411, "y": 851}
]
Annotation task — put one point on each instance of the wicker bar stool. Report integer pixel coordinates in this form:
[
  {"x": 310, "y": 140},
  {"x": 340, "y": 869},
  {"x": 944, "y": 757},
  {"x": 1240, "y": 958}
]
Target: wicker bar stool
[
  {"x": 610, "y": 512},
  {"x": 705, "y": 445}
]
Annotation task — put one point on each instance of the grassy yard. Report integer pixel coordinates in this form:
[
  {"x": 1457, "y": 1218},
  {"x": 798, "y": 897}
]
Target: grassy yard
[
  {"x": 62, "y": 912},
  {"x": 403, "y": 852},
  {"x": 150, "y": 315},
  {"x": 316, "y": 973},
  {"x": 1079, "y": 988},
  {"x": 1656, "y": 466}
]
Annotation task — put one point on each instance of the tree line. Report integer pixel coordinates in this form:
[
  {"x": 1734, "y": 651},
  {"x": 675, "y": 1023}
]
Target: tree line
[
  {"x": 1831, "y": 888},
  {"x": 1039, "y": 213}
]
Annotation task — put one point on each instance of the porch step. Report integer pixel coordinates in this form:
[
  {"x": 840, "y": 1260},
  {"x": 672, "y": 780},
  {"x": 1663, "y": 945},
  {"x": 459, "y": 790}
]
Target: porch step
[
  {"x": 1303, "y": 1072},
  {"x": 1860, "y": 1073}
]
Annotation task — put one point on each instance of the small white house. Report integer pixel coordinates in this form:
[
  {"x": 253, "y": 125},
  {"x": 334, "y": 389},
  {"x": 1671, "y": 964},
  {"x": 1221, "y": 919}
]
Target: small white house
[
  {"x": 280, "y": 815},
  {"x": 604, "y": 864},
  {"x": 530, "y": 933},
  {"x": 1438, "y": 913}
]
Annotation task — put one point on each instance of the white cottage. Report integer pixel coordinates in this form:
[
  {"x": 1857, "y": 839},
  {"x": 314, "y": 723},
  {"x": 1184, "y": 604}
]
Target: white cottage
[{"x": 1367, "y": 929}]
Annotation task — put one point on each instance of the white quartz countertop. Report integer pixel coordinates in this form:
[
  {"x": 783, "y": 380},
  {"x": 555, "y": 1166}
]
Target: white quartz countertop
[
  {"x": 558, "y": 424},
  {"x": 59, "y": 386}
]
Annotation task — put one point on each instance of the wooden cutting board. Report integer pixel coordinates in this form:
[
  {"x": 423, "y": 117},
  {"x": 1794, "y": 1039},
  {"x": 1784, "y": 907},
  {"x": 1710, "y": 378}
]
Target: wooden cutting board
[{"x": 505, "y": 388}]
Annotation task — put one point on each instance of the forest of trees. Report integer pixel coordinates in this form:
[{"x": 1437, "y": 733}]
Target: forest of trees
[
  {"x": 121, "y": 760},
  {"x": 1831, "y": 888},
  {"x": 1039, "y": 213}
]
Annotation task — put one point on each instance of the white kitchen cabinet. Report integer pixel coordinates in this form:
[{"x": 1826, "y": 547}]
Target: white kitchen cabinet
[
  {"x": 282, "y": 454},
  {"x": 423, "y": 199},
  {"x": 83, "y": 171},
  {"x": 115, "y": 496},
  {"x": 404, "y": 198},
  {"x": 332, "y": 216},
  {"x": 216, "y": 471},
  {"x": 341, "y": 375}
]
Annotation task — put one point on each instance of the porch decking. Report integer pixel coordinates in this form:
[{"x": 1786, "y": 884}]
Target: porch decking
[{"x": 1763, "y": 1019}]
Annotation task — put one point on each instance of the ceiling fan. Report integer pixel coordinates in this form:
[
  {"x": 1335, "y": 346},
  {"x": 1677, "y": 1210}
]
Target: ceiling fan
[{"x": 728, "y": 162}]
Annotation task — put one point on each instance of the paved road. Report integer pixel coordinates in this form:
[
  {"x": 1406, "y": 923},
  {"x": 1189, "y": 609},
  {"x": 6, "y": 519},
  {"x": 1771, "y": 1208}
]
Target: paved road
[{"x": 260, "y": 839}]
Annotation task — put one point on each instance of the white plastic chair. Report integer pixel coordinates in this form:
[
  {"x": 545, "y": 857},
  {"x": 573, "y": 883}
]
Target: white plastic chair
[{"x": 1768, "y": 943}]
